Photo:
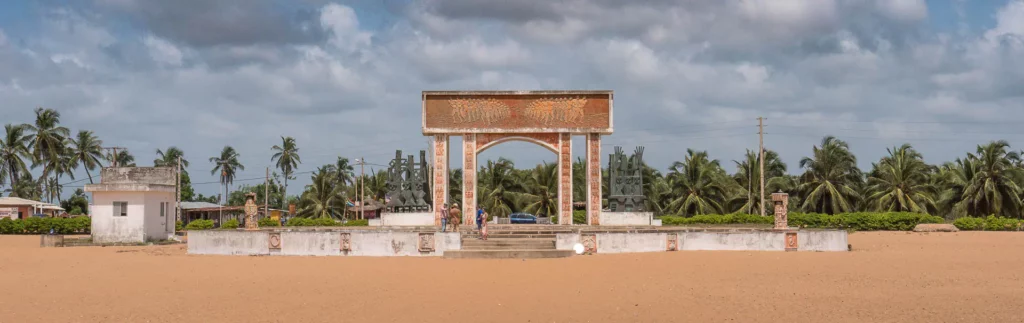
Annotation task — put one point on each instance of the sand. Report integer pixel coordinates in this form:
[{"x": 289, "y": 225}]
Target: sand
[{"x": 889, "y": 277}]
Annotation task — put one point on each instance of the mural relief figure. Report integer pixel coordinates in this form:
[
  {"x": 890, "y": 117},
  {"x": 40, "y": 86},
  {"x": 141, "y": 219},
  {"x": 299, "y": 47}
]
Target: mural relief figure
[
  {"x": 473, "y": 110},
  {"x": 548, "y": 111}
]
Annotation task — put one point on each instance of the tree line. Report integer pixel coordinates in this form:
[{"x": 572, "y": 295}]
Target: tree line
[{"x": 985, "y": 182}]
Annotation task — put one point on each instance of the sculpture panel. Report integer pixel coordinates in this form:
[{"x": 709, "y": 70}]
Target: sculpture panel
[
  {"x": 407, "y": 184},
  {"x": 626, "y": 181}
]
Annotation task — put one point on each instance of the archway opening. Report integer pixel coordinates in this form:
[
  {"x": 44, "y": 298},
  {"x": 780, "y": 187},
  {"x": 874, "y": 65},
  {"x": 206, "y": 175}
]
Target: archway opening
[{"x": 517, "y": 175}]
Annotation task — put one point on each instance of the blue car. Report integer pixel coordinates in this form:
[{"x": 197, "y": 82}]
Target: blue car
[{"x": 522, "y": 218}]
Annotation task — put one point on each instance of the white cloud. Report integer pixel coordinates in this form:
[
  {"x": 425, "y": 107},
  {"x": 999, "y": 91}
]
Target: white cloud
[{"x": 163, "y": 51}]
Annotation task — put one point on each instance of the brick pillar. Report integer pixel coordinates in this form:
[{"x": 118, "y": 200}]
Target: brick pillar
[
  {"x": 440, "y": 176},
  {"x": 781, "y": 201},
  {"x": 469, "y": 179},
  {"x": 565, "y": 178},
  {"x": 593, "y": 179}
]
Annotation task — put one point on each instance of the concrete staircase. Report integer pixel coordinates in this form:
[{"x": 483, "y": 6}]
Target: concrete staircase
[{"x": 511, "y": 241}]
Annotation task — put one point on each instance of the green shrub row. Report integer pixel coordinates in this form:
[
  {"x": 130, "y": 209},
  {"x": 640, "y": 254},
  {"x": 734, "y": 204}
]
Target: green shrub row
[
  {"x": 229, "y": 224},
  {"x": 990, "y": 223},
  {"x": 36, "y": 225},
  {"x": 324, "y": 222},
  {"x": 199, "y": 225},
  {"x": 268, "y": 222},
  {"x": 178, "y": 226},
  {"x": 865, "y": 221}
]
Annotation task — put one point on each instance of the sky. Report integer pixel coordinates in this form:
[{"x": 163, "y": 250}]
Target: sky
[{"x": 344, "y": 77}]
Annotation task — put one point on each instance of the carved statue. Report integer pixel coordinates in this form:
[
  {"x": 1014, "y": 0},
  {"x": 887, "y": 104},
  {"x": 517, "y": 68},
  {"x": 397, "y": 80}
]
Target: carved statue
[
  {"x": 625, "y": 175},
  {"x": 407, "y": 184}
]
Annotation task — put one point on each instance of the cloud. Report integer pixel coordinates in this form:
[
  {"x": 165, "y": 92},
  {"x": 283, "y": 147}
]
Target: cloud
[{"x": 345, "y": 81}]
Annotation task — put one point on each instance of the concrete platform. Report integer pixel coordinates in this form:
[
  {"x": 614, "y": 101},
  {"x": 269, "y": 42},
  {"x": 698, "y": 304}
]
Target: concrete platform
[{"x": 507, "y": 254}]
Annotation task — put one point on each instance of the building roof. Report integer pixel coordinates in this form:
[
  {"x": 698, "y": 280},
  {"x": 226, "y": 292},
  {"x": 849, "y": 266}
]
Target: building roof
[
  {"x": 17, "y": 201},
  {"x": 198, "y": 205}
]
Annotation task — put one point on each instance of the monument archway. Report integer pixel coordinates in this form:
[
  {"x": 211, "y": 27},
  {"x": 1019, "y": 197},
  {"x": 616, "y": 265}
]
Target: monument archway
[{"x": 546, "y": 118}]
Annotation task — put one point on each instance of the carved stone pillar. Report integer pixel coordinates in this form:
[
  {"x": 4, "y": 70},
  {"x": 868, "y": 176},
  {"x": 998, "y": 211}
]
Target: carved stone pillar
[
  {"x": 593, "y": 179},
  {"x": 564, "y": 178},
  {"x": 469, "y": 179},
  {"x": 440, "y": 193},
  {"x": 781, "y": 201}
]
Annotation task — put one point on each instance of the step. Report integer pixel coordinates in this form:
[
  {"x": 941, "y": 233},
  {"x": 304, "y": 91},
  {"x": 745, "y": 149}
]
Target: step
[
  {"x": 537, "y": 245},
  {"x": 467, "y": 236},
  {"x": 506, "y": 254}
]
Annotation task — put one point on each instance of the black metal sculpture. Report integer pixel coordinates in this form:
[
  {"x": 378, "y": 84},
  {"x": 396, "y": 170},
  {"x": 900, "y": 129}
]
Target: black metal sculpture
[
  {"x": 626, "y": 181},
  {"x": 407, "y": 184}
]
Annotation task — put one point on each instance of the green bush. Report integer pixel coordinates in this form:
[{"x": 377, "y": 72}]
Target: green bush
[
  {"x": 229, "y": 224},
  {"x": 199, "y": 225},
  {"x": 268, "y": 222},
  {"x": 36, "y": 225},
  {"x": 579, "y": 216},
  {"x": 990, "y": 223},
  {"x": 304, "y": 222},
  {"x": 889, "y": 221},
  {"x": 178, "y": 226},
  {"x": 357, "y": 223}
]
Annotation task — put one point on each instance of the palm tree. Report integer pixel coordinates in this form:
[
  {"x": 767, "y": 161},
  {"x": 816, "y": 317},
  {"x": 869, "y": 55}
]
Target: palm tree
[
  {"x": 748, "y": 176},
  {"x": 699, "y": 185},
  {"x": 579, "y": 179},
  {"x": 13, "y": 152},
  {"x": 169, "y": 158},
  {"x": 345, "y": 171},
  {"x": 287, "y": 157},
  {"x": 87, "y": 151},
  {"x": 122, "y": 159},
  {"x": 228, "y": 165},
  {"x": 27, "y": 188},
  {"x": 455, "y": 187},
  {"x": 900, "y": 182},
  {"x": 541, "y": 191},
  {"x": 47, "y": 139},
  {"x": 63, "y": 164},
  {"x": 323, "y": 198},
  {"x": 830, "y": 178},
  {"x": 494, "y": 181},
  {"x": 992, "y": 190}
]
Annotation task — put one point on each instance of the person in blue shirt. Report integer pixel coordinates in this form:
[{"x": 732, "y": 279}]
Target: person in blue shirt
[{"x": 479, "y": 218}]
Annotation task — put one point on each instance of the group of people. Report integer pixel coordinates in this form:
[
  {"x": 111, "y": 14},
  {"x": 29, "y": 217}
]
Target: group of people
[{"x": 453, "y": 216}]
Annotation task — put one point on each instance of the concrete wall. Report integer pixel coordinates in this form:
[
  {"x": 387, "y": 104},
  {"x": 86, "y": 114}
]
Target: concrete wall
[
  {"x": 142, "y": 223},
  {"x": 565, "y": 241},
  {"x": 630, "y": 242},
  {"x": 822, "y": 240},
  {"x": 138, "y": 175},
  {"x": 229, "y": 242},
  {"x": 371, "y": 243},
  {"x": 407, "y": 219},
  {"x": 749, "y": 240},
  {"x": 626, "y": 218}
]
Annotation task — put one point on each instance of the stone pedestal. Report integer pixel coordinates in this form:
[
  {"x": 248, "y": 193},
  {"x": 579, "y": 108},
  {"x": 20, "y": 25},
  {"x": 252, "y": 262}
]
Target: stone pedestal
[
  {"x": 781, "y": 201},
  {"x": 51, "y": 240},
  {"x": 407, "y": 219},
  {"x": 626, "y": 218}
]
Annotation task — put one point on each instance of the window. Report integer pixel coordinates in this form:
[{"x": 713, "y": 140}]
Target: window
[
  {"x": 163, "y": 209},
  {"x": 120, "y": 208}
]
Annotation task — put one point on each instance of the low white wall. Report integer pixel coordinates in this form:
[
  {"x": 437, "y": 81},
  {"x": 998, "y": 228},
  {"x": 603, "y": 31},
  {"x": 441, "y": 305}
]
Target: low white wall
[
  {"x": 228, "y": 242},
  {"x": 318, "y": 243},
  {"x": 626, "y": 218},
  {"x": 748, "y": 240},
  {"x": 565, "y": 241},
  {"x": 822, "y": 240},
  {"x": 631, "y": 242},
  {"x": 407, "y": 219}
]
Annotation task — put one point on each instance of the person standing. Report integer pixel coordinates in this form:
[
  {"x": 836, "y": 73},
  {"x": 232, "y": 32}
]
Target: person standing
[
  {"x": 479, "y": 218},
  {"x": 483, "y": 232},
  {"x": 444, "y": 218},
  {"x": 455, "y": 216}
]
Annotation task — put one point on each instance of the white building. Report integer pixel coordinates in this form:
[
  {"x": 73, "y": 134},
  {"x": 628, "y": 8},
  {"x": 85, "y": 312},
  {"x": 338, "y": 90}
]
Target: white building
[{"x": 133, "y": 204}]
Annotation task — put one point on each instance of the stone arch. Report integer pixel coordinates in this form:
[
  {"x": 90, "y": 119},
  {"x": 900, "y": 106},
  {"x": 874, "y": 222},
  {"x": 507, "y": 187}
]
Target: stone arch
[{"x": 486, "y": 141}]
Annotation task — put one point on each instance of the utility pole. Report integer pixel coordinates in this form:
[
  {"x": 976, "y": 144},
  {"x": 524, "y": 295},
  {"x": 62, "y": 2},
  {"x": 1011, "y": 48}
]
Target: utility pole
[
  {"x": 760, "y": 134},
  {"x": 177, "y": 196},
  {"x": 362, "y": 188},
  {"x": 266, "y": 195}
]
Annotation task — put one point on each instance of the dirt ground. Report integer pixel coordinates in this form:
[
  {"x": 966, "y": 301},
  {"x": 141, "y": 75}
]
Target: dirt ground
[{"x": 889, "y": 277}]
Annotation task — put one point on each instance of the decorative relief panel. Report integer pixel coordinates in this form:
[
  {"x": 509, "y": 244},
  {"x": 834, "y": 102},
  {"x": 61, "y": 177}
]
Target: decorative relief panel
[
  {"x": 589, "y": 243},
  {"x": 426, "y": 242},
  {"x": 275, "y": 241},
  {"x": 672, "y": 242},
  {"x": 519, "y": 112},
  {"x": 346, "y": 242}
]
